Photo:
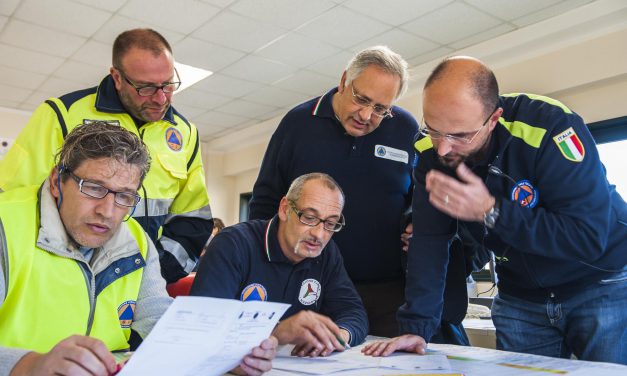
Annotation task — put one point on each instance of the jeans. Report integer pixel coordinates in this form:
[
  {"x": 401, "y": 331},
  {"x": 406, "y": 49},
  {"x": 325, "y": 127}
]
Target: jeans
[{"x": 592, "y": 325}]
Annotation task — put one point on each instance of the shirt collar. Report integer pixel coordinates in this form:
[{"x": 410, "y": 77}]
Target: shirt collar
[
  {"x": 324, "y": 105},
  {"x": 107, "y": 100}
]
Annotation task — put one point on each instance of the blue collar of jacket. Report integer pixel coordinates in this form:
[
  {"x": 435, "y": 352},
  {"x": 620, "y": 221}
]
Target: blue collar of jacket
[
  {"x": 107, "y": 100},
  {"x": 324, "y": 105}
]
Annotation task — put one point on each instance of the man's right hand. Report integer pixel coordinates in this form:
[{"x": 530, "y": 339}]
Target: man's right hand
[
  {"x": 76, "y": 355},
  {"x": 407, "y": 342},
  {"x": 312, "y": 333}
]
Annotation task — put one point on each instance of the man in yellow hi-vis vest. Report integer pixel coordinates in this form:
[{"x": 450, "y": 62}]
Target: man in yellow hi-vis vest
[
  {"x": 79, "y": 278},
  {"x": 136, "y": 95}
]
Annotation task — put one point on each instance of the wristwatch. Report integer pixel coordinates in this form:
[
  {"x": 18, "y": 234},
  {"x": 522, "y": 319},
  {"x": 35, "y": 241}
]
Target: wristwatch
[{"x": 490, "y": 218}]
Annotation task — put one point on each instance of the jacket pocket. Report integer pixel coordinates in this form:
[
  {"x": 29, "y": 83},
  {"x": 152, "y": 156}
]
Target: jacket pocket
[{"x": 175, "y": 165}]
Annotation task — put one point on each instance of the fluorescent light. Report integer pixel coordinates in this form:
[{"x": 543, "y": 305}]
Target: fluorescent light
[{"x": 190, "y": 75}]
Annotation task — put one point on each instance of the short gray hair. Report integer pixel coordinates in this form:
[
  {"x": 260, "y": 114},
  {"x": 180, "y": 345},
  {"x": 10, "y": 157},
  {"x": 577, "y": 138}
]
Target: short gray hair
[
  {"x": 98, "y": 140},
  {"x": 382, "y": 57},
  {"x": 296, "y": 188}
]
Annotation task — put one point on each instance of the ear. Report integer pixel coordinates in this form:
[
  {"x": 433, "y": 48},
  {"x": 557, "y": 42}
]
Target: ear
[
  {"x": 117, "y": 78},
  {"x": 284, "y": 206},
  {"x": 54, "y": 179},
  {"x": 342, "y": 86},
  {"x": 495, "y": 118}
]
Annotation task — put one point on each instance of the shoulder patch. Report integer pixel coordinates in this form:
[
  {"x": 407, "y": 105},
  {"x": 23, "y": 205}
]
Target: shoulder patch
[
  {"x": 174, "y": 139},
  {"x": 254, "y": 291},
  {"x": 570, "y": 145},
  {"x": 309, "y": 292},
  {"x": 126, "y": 311}
]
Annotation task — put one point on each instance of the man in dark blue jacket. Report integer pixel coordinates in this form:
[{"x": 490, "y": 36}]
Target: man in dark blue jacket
[
  {"x": 292, "y": 259},
  {"x": 522, "y": 174},
  {"x": 356, "y": 135}
]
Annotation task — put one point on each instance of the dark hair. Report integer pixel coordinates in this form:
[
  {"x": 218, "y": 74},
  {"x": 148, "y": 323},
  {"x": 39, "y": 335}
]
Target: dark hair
[
  {"x": 98, "y": 140},
  {"x": 218, "y": 224},
  {"x": 481, "y": 80},
  {"x": 145, "y": 39}
]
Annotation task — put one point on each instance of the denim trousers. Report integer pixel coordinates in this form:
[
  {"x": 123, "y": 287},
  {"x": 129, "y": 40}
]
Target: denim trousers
[{"x": 592, "y": 325}]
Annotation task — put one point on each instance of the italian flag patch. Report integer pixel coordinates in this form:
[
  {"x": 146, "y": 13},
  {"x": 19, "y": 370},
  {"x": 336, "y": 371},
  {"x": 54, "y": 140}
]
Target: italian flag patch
[{"x": 570, "y": 145}]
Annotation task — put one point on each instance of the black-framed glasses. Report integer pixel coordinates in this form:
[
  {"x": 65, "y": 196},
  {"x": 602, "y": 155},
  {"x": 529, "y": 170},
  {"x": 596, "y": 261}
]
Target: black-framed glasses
[
  {"x": 457, "y": 138},
  {"x": 96, "y": 190},
  {"x": 149, "y": 90},
  {"x": 306, "y": 217},
  {"x": 377, "y": 109}
]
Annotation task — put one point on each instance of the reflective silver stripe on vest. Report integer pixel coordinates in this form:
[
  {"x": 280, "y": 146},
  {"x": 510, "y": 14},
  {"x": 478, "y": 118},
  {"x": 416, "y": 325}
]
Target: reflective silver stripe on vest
[
  {"x": 4, "y": 257},
  {"x": 156, "y": 207},
  {"x": 204, "y": 213},
  {"x": 179, "y": 253}
]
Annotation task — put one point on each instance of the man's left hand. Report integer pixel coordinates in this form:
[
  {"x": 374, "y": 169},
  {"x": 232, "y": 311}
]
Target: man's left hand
[
  {"x": 467, "y": 199},
  {"x": 260, "y": 358}
]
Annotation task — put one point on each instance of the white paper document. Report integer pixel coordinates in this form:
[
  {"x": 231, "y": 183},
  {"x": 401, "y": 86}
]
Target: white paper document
[{"x": 204, "y": 336}]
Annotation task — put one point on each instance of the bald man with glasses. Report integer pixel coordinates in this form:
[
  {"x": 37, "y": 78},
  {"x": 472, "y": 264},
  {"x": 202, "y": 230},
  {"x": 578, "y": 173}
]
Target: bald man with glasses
[{"x": 292, "y": 259}]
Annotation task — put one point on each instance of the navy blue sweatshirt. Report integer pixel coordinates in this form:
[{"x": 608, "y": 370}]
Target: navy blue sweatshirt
[
  {"x": 377, "y": 187},
  {"x": 245, "y": 262},
  {"x": 562, "y": 226}
]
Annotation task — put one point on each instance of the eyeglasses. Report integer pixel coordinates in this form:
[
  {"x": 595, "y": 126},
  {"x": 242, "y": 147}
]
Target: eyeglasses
[
  {"x": 307, "y": 218},
  {"x": 98, "y": 191},
  {"x": 377, "y": 109},
  {"x": 455, "y": 139},
  {"x": 149, "y": 90}
]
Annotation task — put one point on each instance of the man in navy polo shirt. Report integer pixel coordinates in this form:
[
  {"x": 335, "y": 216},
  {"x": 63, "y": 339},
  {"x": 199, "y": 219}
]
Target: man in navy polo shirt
[
  {"x": 356, "y": 135},
  {"x": 291, "y": 259}
]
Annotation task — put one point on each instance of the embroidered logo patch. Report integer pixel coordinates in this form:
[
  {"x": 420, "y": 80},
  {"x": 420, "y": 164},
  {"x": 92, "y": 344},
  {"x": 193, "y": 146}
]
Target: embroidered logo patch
[
  {"x": 525, "y": 194},
  {"x": 110, "y": 122},
  {"x": 309, "y": 292},
  {"x": 126, "y": 311},
  {"x": 254, "y": 291},
  {"x": 570, "y": 145},
  {"x": 174, "y": 139},
  {"x": 386, "y": 152}
]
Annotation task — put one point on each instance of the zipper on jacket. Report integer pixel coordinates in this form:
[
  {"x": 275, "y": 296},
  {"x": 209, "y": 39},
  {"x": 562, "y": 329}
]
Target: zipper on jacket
[{"x": 89, "y": 282}]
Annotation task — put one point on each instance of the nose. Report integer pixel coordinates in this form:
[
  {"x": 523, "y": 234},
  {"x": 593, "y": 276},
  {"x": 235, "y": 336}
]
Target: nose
[
  {"x": 366, "y": 113},
  {"x": 443, "y": 146},
  {"x": 106, "y": 205},
  {"x": 318, "y": 231},
  {"x": 160, "y": 97}
]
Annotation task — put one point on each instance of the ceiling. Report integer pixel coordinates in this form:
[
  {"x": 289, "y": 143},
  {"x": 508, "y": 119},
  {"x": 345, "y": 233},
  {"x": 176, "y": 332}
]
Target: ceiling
[{"x": 266, "y": 55}]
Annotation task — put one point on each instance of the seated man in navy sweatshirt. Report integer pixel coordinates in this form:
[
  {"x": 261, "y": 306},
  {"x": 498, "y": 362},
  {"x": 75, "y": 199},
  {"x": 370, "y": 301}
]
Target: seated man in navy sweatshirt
[{"x": 291, "y": 259}]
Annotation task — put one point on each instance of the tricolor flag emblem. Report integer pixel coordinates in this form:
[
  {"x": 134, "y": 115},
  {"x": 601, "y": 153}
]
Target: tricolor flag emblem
[{"x": 570, "y": 145}]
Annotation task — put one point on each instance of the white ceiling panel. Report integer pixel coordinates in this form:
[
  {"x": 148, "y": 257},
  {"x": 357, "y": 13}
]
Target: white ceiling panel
[
  {"x": 258, "y": 69},
  {"x": 3, "y": 21},
  {"x": 37, "y": 97},
  {"x": 289, "y": 14},
  {"x": 12, "y": 94},
  {"x": 246, "y": 108},
  {"x": 110, "y": 5},
  {"x": 343, "y": 28},
  {"x": 431, "y": 55},
  {"x": 9, "y": 103},
  {"x": 206, "y": 131},
  {"x": 205, "y": 55},
  {"x": 117, "y": 24},
  {"x": 333, "y": 66},
  {"x": 548, "y": 12},
  {"x": 297, "y": 50},
  {"x": 509, "y": 10},
  {"x": 183, "y": 16},
  {"x": 221, "y": 119},
  {"x": 31, "y": 61},
  {"x": 394, "y": 12},
  {"x": 219, "y": 3},
  {"x": 82, "y": 20},
  {"x": 21, "y": 78},
  {"x": 38, "y": 38},
  {"x": 7, "y": 7},
  {"x": 189, "y": 112},
  {"x": 60, "y": 86},
  {"x": 197, "y": 98},
  {"x": 454, "y": 22},
  {"x": 238, "y": 32},
  {"x": 308, "y": 83},
  {"x": 276, "y": 97},
  {"x": 485, "y": 35},
  {"x": 86, "y": 74},
  {"x": 94, "y": 53},
  {"x": 219, "y": 83},
  {"x": 406, "y": 44}
]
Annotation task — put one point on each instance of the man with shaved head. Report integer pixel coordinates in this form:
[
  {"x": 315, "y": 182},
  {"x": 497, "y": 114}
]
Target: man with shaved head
[{"x": 521, "y": 176}]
